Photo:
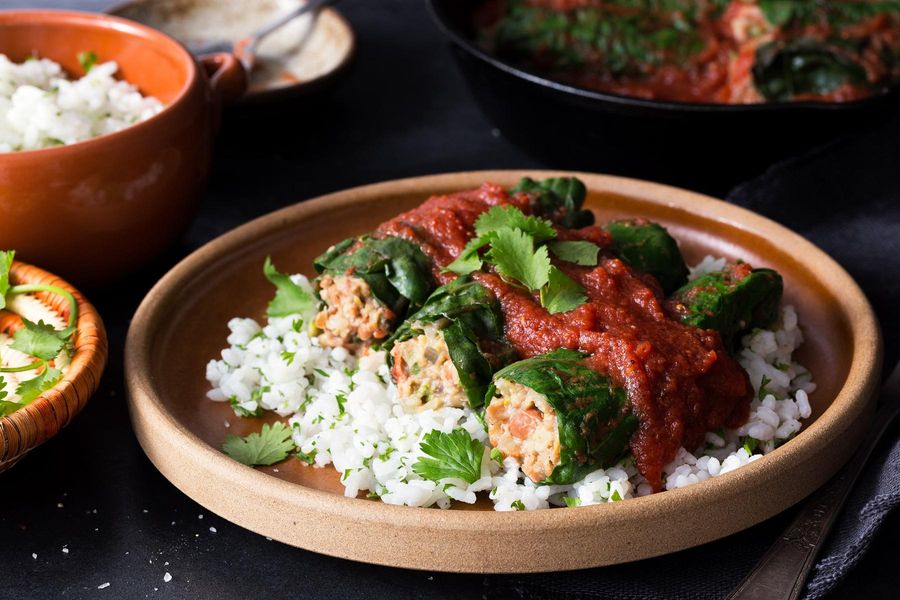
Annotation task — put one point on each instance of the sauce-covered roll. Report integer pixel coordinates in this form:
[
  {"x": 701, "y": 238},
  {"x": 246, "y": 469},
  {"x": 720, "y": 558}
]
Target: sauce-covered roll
[
  {"x": 445, "y": 354},
  {"x": 731, "y": 301},
  {"x": 365, "y": 284},
  {"x": 558, "y": 417},
  {"x": 369, "y": 284},
  {"x": 648, "y": 247}
]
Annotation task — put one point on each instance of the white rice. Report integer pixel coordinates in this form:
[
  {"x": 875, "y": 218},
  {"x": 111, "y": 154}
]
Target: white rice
[
  {"x": 344, "y": 412},
  {"x": 40, "y": 106}
]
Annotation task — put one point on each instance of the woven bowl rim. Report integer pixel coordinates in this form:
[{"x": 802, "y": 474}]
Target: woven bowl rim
[{"x": 38, "y": 421}]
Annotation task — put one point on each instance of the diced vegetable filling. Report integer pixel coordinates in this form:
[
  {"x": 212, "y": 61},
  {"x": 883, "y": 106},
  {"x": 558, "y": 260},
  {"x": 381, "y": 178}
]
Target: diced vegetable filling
[
  {"x": 352, "y": 316},
  {"x": 523, "y": 425},
  {"x": 426, "y": 377}
]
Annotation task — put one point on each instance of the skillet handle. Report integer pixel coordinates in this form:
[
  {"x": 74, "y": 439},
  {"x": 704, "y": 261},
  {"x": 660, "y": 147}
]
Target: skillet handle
[{"x": 227, "y": 77}]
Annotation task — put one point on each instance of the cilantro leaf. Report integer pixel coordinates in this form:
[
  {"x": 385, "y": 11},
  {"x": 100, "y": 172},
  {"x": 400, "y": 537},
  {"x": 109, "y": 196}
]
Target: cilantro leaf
[
  {"x": 6, "y": 259},
  {"x": 271, "y": 445},
  {"x": 510, "y": 217},
  {"x": 39, "y": 340},
  {"x": 469, "y": 260},
  {"x": 289, "y": 298},
  {"x": 512, "y": 252},
  {"x": 453, "y": 454},
  {"x": 87, "y": 60},
  {"x": 561, "y": 293},
  {"x": 30, "y": 389},
  {"x": 580, "y": 252}
]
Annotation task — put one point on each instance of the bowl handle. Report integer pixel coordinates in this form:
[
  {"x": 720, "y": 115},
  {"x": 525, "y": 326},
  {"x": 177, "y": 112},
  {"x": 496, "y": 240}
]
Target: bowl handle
[{"x": 227, "y": 77}]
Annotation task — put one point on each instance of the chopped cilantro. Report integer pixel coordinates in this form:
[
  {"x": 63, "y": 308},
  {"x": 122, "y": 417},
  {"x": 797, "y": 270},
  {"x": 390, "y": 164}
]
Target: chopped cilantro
[
  {"x": 562, "y": 293},
  {"x": 570, "y": 502},
  {"x": 453, "y": 454},
  {"x": 341, "y": 399},
  {"x": 496, "y": 455},
  {"x": 514, "y": 256},
  {"x": 241, "y": 411},
  {"x": 616, "y": 496},
  {"x": 39, "y": 340},
  {"x": 30, "y": 389},
  {"x": 87, "y": 60},
  {"x": 750, "y": 445},
  {"x": 271, "y": 445},
  {"x": 517, "y": 504},
  {"x": 309, "y": 459},
  {"x": 288, "y": 357},
  {"x": 519, "y": 253},
  {"x": 290, "y": 298},
  {"x": 579, "y": 252},
  {"x": 510, "y": 217},
  {"x": 763, "y": 392}
]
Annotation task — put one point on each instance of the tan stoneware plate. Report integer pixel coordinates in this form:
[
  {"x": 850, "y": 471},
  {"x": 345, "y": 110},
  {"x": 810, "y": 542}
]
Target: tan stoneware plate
[
  {"x": 181, "y": 325},
  {"x": 302, "y": 58},
  {"x": 35, "y": 423}
]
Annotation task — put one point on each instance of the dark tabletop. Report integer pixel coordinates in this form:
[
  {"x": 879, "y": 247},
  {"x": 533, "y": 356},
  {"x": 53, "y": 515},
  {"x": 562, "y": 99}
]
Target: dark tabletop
[{"x": 88, "y": 508}]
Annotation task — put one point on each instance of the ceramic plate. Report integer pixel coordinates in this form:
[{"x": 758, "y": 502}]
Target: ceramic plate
[
  {"x": 298, "y": 59},
  {"x": 181, "y": 325}
]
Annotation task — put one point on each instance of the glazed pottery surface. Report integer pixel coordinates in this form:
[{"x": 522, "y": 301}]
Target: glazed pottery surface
[
  {"x": 94, "y": 210},
  {"x": 181, "y": 325}
]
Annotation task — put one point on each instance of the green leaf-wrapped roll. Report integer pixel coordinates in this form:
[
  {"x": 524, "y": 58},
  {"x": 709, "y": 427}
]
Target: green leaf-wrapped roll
[
  {"x": 444, "y": 354},
  {"x": 649, "y": 248},
  {"x": 731, "y": 301},
  {"x": 558, "y": 417},
  {"x": 559, "y": 199},
  {"x": 368, "y": 285}
]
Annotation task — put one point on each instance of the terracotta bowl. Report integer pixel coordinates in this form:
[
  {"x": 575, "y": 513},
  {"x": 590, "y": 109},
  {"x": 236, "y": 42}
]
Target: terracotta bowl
[
  {"x": 97, "y": 209},
  {"x": 181, "y": 325},
  {"x": 37, "y": 422}
]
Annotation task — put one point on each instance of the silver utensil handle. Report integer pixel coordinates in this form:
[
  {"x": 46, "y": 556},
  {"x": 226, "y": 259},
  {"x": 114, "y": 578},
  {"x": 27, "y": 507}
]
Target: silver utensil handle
[
  {"x": 310, "y": 5},
  {"x": 783, "y": 570}
]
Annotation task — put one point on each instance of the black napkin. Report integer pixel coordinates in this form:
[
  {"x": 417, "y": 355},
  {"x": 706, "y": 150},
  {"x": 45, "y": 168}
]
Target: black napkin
[{"x": 845, "y": 198}]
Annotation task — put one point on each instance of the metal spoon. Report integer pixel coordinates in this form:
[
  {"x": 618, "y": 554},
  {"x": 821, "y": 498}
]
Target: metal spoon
[
  {"x": 782, "y": 572},
  {"x": 245, "y": 48}
]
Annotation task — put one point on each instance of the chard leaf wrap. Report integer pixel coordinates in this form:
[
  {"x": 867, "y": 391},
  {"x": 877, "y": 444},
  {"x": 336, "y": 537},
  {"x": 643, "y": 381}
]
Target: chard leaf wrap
[
  {"x": 559, "y": 199},
  {"x": 471, "y": 322},
  {"x": 731, "y": 301},
  {"x": 396, "y": 270},
  {"x": 649, "y": 248},
  {"x": 594, "y": 418}
]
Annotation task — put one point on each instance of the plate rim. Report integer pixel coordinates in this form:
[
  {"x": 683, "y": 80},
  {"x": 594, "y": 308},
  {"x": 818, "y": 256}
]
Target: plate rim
[{"x": 846, "y": 414}]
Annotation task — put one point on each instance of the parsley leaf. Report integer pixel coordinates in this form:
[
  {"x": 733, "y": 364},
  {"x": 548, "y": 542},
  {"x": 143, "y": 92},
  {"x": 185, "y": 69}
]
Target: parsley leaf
[
  {"x": 30, "y": 389},
  {"x": 453, "y": 454},
  {"x": 562, "y": 293},
  {"x": 271, "y": 445},
  {"x": 6, "y": 259},
  {"x": 510, "y": 217},
  {"x": 289, "y": 298},
  {"x": 39, "y": 340},
  {"x": 87, "y": 60},
  {"x": 513, "y": 253},
  {"x": 580, "y": 252}
]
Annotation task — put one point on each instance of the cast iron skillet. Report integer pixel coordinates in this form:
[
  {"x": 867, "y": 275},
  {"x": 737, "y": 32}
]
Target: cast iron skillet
[{"x": 705, "y": 146}]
